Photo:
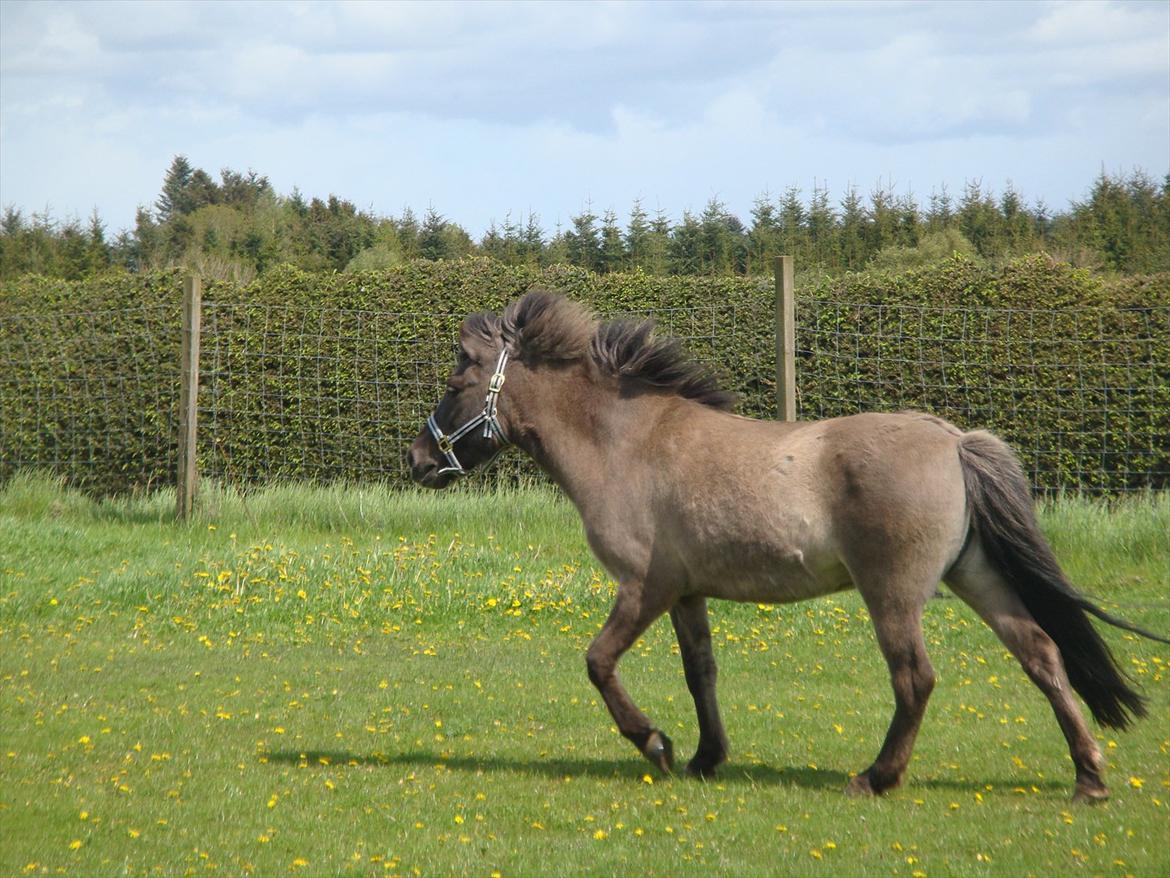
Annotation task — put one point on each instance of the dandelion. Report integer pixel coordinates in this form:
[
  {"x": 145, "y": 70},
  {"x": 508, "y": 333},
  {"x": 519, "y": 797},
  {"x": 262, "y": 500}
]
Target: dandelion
[
  {"x": 647, "y": 779},
  {"x": 601, "y": 835},
  {"x": 75, "y": 844},
  {"x": 1136, "y": 782}
]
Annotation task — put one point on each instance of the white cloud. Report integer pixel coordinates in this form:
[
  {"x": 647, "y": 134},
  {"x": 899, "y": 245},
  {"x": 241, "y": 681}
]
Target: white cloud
[
  {"x": 1095, "y": 22},
  {"x": 485, "y": 108}
]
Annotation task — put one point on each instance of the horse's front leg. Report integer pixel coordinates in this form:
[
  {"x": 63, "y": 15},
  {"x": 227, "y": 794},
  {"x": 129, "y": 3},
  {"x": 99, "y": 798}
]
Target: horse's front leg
[
  {"x": 689, "y": 617},
  {"x": 631, "y": 615}
]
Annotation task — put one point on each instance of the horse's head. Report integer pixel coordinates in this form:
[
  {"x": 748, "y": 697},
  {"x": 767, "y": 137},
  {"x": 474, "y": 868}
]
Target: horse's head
[{"x": 465, "y": 429}]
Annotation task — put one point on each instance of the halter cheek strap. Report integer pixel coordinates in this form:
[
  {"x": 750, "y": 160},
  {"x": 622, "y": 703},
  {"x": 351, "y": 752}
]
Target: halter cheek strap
[{"x": 487, "y": 417}]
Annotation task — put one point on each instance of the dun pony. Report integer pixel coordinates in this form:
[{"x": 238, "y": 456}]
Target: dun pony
[{"x": 682, "y": 501}]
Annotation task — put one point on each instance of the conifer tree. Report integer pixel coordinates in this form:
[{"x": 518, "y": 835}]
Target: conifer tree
[{"x": 175, "y": 198}]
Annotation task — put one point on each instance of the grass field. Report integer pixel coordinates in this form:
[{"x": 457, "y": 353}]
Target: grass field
[{"x": 352, "y": 681}]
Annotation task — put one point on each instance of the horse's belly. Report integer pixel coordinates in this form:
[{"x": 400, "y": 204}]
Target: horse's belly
[{"x": 775, "y": 577}]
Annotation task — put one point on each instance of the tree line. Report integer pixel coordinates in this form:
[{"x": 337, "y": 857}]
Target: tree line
[{"x": 237, "y": 226}]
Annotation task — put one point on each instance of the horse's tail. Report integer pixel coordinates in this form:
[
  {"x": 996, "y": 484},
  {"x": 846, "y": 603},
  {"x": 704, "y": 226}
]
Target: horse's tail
[{"x": 1004, "y": 518}]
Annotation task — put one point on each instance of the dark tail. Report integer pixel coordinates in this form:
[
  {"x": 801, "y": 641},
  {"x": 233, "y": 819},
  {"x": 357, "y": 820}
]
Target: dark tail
[{"x": 1003, "y": 515}]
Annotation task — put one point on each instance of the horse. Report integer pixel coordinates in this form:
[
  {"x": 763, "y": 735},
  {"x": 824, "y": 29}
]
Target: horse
[{"x": 683, "y": 500}]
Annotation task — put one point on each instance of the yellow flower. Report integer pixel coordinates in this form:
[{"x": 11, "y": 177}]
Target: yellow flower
[
  {"x": 647, "y": 779},
  {"x": 600, "y": 835},
  {"x": 1136, "y": 782},
  {"x": 75, "y": 844}
]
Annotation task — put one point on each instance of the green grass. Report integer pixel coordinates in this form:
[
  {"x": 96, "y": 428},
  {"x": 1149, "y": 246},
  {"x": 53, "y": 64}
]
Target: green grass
[{"x": 357, "y": 681}]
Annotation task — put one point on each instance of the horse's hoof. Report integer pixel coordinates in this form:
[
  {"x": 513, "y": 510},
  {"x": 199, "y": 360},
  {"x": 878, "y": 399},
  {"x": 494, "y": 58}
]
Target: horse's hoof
[
  {"x": 704, "y": 765},
  {"x": 1090, "y": 794},
  {"x": 659, "y": 751},
  {"x": 860, "y": 787},
  {"x": 700, "y": 770}
]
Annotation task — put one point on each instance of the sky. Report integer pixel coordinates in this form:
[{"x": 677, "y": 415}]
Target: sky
[{"x": 482, "y": 110}]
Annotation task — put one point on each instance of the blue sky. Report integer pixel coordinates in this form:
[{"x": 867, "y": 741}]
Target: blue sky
[{"x": 484, "y": 109}]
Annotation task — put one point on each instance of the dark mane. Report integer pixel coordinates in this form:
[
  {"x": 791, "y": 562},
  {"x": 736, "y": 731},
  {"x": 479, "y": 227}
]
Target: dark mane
[
  {"x": 545, "y": 326},
  {"x": 629, "y": 349}
]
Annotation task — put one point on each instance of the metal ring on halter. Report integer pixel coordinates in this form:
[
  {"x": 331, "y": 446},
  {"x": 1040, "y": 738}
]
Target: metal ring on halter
[{"x": 487, "y": 417}]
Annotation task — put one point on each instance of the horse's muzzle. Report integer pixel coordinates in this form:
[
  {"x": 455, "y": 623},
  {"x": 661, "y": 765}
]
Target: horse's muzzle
[{"x": 424, "y": 467}]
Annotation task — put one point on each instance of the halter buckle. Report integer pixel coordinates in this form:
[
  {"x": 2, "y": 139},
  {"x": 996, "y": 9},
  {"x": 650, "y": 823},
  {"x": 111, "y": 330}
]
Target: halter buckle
[{"x": 497, "y": 382}]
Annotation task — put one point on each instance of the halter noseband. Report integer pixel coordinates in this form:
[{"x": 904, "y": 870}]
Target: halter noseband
[{"x": 487, "y": 417}]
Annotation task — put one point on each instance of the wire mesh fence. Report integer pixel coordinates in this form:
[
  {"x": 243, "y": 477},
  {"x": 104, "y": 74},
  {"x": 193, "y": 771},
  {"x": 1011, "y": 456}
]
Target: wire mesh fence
[
  {"x": 320, "y": 393},
  {"x": 70, "y": 405}
]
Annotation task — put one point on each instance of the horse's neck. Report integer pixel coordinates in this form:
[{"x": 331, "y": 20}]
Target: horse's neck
[{"x": 583, "y": 435}]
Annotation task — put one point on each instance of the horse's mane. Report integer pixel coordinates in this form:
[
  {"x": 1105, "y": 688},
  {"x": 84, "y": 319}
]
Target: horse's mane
[{"x": 545, "y": 326}]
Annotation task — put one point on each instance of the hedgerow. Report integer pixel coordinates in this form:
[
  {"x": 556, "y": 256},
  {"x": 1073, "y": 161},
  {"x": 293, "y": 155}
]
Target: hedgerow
[{"x": 328, "y": 376}]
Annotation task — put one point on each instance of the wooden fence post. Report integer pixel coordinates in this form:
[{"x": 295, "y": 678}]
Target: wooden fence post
[
  {"x": 785, "y": 338},
  {"x": 188, "y": 475}
]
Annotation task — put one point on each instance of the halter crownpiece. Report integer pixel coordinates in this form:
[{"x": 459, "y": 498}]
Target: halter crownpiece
[{"x": 487, "y": 417}]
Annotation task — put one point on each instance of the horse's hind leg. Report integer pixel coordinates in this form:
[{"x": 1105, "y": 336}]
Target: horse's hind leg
[
  {"x": 632, "y": 614},
  {"x": 898, "y": 627},
  {"x": 977, "y": 583},
  {"x": 689, "y": 617}
]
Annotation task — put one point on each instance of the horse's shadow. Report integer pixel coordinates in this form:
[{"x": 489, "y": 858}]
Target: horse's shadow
[{"x": 802, "y": 777}]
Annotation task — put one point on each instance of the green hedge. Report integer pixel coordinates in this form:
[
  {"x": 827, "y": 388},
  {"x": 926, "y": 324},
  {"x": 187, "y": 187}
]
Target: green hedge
[{"x": 329, "y": 376}]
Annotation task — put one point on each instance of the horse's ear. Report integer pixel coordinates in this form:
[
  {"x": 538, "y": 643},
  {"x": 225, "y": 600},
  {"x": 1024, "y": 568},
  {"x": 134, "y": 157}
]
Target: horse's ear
[{"x": 480, "y": 332}]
